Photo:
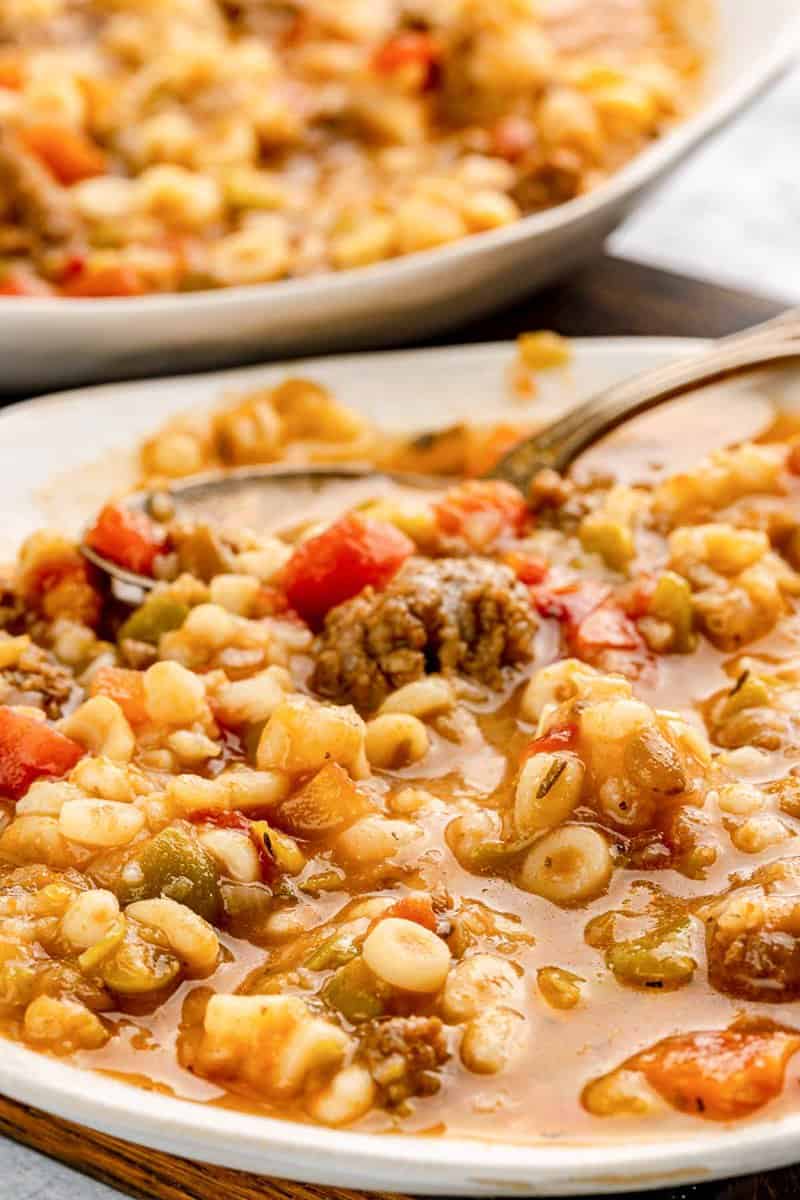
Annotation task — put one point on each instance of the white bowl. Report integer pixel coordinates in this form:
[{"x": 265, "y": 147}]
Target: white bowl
[
  {"x": 46, "y": 343},
  {"x": 47, "y": 448}
]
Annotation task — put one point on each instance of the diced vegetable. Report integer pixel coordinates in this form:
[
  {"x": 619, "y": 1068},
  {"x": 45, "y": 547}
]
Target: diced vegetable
[
  {"x": 30, "y": 750},
  {"x": 92, "y": 957},
  {"x": 351, "y": 554},
  {"x": 573, "y": 603},
  {"x": 658, "y": 960},
  {"x": 279, "y": 852},
  {"x": 672, "y": 602},
  {"x": 175, "y": 865},
  {"x": 414, "y": 908},
  {"x": 749, "y": 691},
  {"x": 481, "y": 511},
  {"x": 127, "y": 537},
  {"x": 528, "y": 568},
  {"x": 355, "y": 992},
  {"x": 66, "y": 152},
  {"x": 606, "y": 628},
  {"x": 723, "y": 1074},
  {"x": 610, "y": 538},
  {"x": 126, "y": 687},
  {"x": 335, "y": 951},
  {"x": 136, "y": 968},
  {"x": 324, "y": 805},
  {"x": 562, "y": 737},
  {"x": 95, "y": 281},
  {"x": 158, "y": 615}
]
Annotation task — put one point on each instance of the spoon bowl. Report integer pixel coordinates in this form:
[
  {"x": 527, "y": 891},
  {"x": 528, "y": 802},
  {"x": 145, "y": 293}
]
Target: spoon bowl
[{"x": 271, "y": 498}]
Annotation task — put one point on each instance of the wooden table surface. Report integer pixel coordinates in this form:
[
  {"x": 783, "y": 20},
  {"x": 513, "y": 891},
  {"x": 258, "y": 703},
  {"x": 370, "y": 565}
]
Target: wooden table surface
[{"x": 608, "y": 297}]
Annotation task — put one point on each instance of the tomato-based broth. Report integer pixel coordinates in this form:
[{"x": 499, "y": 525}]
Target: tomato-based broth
[{"x": 457, "y": 811}]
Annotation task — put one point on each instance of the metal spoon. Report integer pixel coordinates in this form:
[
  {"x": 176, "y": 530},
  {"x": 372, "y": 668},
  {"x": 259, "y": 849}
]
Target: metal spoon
[{"x": 290, "y": 492}]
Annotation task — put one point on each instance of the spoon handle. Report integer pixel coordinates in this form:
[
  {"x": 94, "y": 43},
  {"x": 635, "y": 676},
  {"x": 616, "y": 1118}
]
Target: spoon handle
[{"x": 559, "y": 444}]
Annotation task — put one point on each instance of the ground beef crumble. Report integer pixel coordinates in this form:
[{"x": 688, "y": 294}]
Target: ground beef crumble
[
  {"x": 37, "y": 680},
  {"x": 468, "y": 616},
  {"x": 403, "y": 1055}
]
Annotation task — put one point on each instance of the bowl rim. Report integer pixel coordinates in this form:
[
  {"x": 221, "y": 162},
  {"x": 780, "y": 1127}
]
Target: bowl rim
[{"x": 632, "y": 177}]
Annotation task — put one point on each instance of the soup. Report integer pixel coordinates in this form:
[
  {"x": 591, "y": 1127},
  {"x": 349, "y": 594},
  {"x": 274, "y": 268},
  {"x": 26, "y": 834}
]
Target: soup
[{"x": 454, "y": 812}]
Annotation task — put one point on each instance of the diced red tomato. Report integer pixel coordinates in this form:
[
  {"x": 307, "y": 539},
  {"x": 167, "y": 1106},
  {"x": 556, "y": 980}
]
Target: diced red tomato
[
  {"x": 102, "y": 281},
  {"x": 67, "y": 153},
  {"x": 351, "y": 554},
  {"x": 127, "y": 537},
  {"x": 572, "y": 603},
  {"x": 722, "y": 1074},
  {"x": 23, "y": 283},
  {"x": 481, "y": 511},
  {"x": 528, "y": 568},
  {"x": 512, "y": 137},
  {"x": 418, "y": 909},
  {"x": 561, "y": 737},
  {"x": 606, "y": 627},
  {"x": 126, "y": 687},
  {"x": 413, "y": 48},
  {"x": 634, "y": 599},
  {"x": 31, "y": 750}
]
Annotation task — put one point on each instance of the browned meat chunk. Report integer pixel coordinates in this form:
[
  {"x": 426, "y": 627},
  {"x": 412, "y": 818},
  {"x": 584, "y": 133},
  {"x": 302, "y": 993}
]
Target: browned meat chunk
[
  {"x": 753, "y": 936},
  {"x": 38, "y": 201},
  {"x": 465, "y": 615},
  {"x": 403, "y": 1055},
  {"x": 39, "y": 681}
]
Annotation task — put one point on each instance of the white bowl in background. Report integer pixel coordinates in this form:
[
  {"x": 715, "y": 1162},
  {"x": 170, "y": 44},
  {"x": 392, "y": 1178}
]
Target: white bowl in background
[
  {"x": 60, "y": 457},
  {"x": 48, "y": 343}
]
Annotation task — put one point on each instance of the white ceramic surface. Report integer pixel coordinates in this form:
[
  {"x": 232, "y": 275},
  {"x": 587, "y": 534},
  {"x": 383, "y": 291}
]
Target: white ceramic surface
[
  {"x": 50, "y": 342},
  {"x": 62, "y": 437}
]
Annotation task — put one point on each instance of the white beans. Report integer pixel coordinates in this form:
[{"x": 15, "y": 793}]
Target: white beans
[
  {"x": 567, "y": 866},
  {"x": 173, "y": 695},
  {"x": 255, "y": 699},
  {"x": 492, "y": 1039},
  {"x": 301, "y": 736},
  {"x": 475, "y": 984},
  {"x": 66, "y": 1024},
  {"x": 46, "y": 797},
  {"x": 396, "y": 740},
  {"x": 89, "y": 917},
  {"x": 375, "y": 839},
  {"x": 238, "y": 788},
  {"x": 548, "y": 789},
  {"x": 100, "y": 823},
  {"x": 102, "y": 727},
  {"x": 424, "y": 698},
  {"x": 192, "y": 938},
  {"x": 210, "y": 626},
  {"x": 235, "y": 853},
  {"x": 347, "y": 1097},
  {"x": 102, "y": 777},
  {"x": 406, "y": 955},
  {"x": 235, "y": 593}
]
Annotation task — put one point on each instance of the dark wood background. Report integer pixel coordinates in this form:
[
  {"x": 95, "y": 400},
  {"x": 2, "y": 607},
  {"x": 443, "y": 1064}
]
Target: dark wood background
[{"x": 608, "y": 297}]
